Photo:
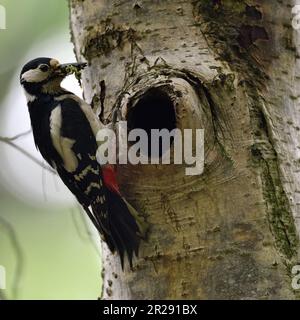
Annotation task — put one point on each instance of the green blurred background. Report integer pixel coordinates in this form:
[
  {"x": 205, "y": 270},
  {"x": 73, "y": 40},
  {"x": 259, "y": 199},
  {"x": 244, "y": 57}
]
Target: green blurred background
[{"x": 47, "y": 246}]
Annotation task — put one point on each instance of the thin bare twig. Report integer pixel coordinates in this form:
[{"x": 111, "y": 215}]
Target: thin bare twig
[
  {"x": 10, "y": 141},
  {"x": 19, "y": 255},
  {"x": 17, "y": 136}
]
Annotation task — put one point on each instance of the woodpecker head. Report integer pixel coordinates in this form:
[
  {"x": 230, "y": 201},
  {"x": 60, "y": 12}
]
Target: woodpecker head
[{"x": 44, "y": 75}]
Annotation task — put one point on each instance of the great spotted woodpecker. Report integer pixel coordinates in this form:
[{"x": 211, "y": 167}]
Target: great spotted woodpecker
[{"x": 64, "y": 129}]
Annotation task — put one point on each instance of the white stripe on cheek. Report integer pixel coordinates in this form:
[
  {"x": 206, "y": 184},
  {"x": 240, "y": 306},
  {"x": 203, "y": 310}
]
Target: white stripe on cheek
[{"x": 34, "y": 75}]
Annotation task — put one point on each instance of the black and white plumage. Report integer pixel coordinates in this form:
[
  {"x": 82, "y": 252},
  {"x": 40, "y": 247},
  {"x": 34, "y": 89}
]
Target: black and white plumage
[{"x": 64, "y": 129}]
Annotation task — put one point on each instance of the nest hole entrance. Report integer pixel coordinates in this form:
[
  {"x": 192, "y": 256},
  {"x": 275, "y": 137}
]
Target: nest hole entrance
[{"x": 155, "y": 110}]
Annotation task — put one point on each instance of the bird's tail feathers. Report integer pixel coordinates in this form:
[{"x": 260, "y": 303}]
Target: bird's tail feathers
[{"x": 122, "y": 228}]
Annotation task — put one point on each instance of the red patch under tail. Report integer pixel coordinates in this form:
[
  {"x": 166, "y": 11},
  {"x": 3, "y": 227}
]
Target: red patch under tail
[{"x": 110, "y": 178}]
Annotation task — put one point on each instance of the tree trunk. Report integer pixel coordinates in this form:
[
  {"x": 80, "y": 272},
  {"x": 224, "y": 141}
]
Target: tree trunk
[{"x": 232, "y": 69}]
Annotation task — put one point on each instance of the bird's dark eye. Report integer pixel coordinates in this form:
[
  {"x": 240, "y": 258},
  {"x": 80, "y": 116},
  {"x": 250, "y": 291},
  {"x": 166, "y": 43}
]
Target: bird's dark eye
[{"x": 44, "y": 67}]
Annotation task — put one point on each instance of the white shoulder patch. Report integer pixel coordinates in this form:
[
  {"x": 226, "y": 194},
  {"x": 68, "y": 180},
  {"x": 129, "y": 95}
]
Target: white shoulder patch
[
  {"x": 55, "y": 125},
  {"x": 70, "y": 160},
  {"x": 62, "y": 145}
]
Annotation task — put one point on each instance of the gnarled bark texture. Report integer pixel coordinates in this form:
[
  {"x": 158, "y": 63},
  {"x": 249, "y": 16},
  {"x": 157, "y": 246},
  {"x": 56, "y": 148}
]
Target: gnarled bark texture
[{"x": 231, "y": 68}]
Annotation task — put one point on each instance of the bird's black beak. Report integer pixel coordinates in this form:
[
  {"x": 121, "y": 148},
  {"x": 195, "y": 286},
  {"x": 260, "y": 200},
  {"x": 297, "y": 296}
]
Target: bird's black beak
[{"x": 69, "y": 68}]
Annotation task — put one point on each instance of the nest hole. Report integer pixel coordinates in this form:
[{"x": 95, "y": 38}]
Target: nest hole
[{"x": 155, "y": 110}]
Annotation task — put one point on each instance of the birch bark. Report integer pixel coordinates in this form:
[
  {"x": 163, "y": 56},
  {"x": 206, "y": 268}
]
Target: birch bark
[{"x": 231, "y": 68}]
